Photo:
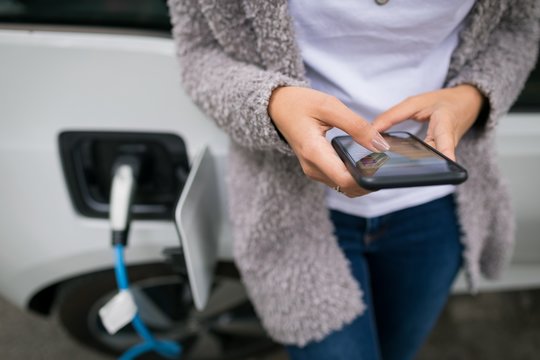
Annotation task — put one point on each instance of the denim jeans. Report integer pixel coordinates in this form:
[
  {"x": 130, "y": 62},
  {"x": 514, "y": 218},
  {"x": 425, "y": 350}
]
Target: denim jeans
[{"x": 405, "y": 262}]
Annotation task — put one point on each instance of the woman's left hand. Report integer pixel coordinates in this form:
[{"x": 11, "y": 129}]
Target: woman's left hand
[{"x": 450, "y": 112}]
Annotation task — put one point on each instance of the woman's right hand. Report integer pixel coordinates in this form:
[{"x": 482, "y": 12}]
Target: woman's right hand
[{"x": 303, "y": 116}]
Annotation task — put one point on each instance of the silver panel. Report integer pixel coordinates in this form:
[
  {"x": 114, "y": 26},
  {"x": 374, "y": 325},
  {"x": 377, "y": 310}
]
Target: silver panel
[{"x": 202, "y": 224}]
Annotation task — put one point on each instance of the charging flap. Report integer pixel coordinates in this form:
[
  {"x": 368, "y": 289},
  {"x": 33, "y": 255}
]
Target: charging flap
[{"x": 202, "y": 223}]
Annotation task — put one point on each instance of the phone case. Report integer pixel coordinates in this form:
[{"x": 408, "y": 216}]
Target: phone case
[{"x": 457, "y": 176}]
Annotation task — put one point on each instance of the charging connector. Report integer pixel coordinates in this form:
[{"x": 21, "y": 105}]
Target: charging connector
[
  {"x": 124, "y": 183},
  {"x": 125, "y": 172}
]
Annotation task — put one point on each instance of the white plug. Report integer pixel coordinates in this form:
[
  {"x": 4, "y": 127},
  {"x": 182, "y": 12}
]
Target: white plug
[
  {"x": 123, "y": 186},
  {"x": 122, "y": 191}
]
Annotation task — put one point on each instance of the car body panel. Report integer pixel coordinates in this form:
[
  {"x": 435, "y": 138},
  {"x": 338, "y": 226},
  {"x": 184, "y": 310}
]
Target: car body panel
[{"x": 54, "y": 81}]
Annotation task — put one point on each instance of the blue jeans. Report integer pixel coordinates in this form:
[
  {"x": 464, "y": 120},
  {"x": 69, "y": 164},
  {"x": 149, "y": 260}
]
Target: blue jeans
[{"x": 406, "y": 262}]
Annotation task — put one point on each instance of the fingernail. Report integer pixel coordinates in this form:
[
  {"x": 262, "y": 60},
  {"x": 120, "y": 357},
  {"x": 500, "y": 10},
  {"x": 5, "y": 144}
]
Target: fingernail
[{"x": 379, "y": 143}]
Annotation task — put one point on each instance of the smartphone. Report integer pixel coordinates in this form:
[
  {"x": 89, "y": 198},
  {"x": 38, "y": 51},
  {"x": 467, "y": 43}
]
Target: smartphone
[{"x": 409, "y": 162}]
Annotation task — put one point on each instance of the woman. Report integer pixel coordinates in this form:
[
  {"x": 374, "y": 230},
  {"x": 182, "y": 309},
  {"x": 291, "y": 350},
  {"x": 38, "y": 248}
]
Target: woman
[{"x": 357, "y": 275}]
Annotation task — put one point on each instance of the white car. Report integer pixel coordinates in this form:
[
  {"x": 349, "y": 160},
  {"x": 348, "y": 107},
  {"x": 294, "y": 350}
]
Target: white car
[{"x": 81, "y": 80}]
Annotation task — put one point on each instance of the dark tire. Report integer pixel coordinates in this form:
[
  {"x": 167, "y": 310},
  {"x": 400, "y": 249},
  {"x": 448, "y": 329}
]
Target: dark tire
[{"x": 227, "y": 329}]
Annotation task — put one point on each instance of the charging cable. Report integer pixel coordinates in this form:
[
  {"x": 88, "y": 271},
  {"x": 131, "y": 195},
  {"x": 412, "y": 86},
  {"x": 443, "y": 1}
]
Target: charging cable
[{"x": 126, "y": 170}]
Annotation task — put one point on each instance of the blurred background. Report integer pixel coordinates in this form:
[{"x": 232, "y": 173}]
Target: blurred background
[{"x": 83, "y": 82}]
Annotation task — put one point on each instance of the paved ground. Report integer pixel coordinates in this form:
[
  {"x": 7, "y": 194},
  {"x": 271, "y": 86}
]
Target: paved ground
[
  {"x": 498, "y": 326},
  {"x": 27, "y": 336},
  {"x": 488, "y": 326}
]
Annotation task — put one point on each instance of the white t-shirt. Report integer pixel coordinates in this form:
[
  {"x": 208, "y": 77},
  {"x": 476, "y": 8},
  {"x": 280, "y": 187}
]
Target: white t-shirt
[{"x": 372, "y": 57}]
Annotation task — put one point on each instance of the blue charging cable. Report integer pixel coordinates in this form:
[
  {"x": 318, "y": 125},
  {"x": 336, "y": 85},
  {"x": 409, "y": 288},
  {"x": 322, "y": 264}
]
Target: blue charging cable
[
  {"x": 125, "y": 172},
  {"x": 169, "y": 349}
]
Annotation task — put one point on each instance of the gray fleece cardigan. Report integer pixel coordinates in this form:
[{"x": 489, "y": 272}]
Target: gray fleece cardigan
[{"x": 233, "y": 53}]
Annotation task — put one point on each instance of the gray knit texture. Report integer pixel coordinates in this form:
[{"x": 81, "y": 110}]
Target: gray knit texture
[{"x": 233, "y": 54}]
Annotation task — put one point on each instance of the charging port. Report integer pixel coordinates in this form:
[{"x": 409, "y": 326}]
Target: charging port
[{"x": 88, "y": 161}]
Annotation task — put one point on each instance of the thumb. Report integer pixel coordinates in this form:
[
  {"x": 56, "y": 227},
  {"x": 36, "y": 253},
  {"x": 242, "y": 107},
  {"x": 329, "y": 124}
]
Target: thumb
[
  {"x": 340, "y": 116},
  {"x": 366, "y": 135}
]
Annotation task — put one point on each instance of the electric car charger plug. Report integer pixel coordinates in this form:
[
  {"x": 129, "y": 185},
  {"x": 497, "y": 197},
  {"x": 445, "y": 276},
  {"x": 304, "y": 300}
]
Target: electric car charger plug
[
  {"x": 124, "y": 183},
  {"x": 125, "y": 172}
]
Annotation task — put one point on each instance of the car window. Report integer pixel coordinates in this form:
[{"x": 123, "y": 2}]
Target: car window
[
  {"x": 138, "y": 14},
  {"x": 529, "y": 100}
]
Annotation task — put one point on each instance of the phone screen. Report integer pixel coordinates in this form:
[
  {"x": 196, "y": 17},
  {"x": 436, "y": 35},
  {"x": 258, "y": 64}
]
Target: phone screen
[{"x": 406, "y": 157}]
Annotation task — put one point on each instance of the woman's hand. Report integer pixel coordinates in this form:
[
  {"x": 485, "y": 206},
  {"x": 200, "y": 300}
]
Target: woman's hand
[
  {"x": 303, "y": 116},
  {"x": 450, "y": 112}
]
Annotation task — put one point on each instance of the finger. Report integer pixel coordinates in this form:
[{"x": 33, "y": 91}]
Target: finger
[
  {"x": 325, "y": 161},
  {"x": 430, "y": 142},
  {"x": 315, "y": 174},
  {"x": 356, "y": 194},
  {"x": 312, "y": 171},
  {"x": 338, "y": 115},
  {"x": 442, "y": 132},
  {"x": 405, "y": 110}
]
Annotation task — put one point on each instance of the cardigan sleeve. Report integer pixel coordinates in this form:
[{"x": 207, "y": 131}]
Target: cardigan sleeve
[
  {"x": 233, "y": 93},
  {"x": 501, "y": 69}
]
